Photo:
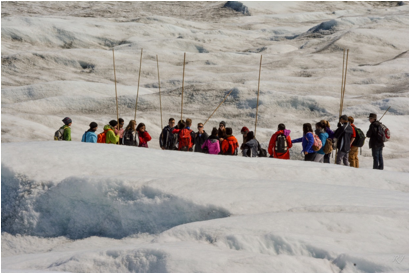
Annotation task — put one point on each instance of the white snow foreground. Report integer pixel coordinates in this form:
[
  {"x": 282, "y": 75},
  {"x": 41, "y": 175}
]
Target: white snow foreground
[{"x": 76, "y": 207}]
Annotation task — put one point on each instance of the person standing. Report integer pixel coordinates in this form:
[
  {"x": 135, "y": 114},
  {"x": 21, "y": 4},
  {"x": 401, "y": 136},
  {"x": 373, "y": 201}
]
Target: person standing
[
  {"x": 67, "y": 130},
  {"x": 166, "y": 138},
  {"x": 375, "y": 143},
  {"x": 343, "y": 136},
  {"x": 230, "y": 143},
  {"x": 331, "y": 135},
  {"x": 251, "y": 146},
  {"x": 143, "y": 135},
  {"x": 323, "y": 135},
  {"x": 90, "y": 136},
  {"x": 120, "y": 132},
  {"x": 200, "y": 137},
  {"x": 212, "y": 144},
  {"x": 129, "y": 137},
  {"x": 244, "y": 132},
  {"x": 110, "y": 136},
  {"x": 307, "y": 142},
  {"x": 280, "y": 143},
  {"x": 354, "y": 150}
]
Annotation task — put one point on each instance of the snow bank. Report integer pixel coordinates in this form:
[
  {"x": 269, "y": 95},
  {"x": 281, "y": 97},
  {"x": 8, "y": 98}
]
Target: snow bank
[{"x": 305, "y": 214}]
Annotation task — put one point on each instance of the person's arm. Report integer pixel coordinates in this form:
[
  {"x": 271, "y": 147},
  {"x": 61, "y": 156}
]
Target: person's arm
[
  {"x": 147, "y": 137},
  {"x": 83, "y": 138},
  {"x": 289, "y": 142},
  {"x": 67, "y": 134},
  {"x": 219, "y": 148},
  {"x": 298, "y": 140},
  {"x": 271, "y": 144},
  {"x": 245, "y": 151},
  {"x": 93, "y": 138},
  {"x": 370, "y": 131},
  {"x": 204, "y": 145},
  {"x": 311, "y": 141},
  {"x": 224, "y": 147},
  {"x": 111, "y": 137}
]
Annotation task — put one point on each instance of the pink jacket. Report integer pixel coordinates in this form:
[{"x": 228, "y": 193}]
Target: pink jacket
[{"x": 212, "y": 145}]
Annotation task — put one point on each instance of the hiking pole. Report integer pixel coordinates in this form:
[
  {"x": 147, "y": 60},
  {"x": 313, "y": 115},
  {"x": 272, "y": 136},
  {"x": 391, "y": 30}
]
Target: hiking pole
[
  {"x": 183, "y": 79},
  {"x": 341, "y": 89},
  {"x": 385, "y": 113},
  {"x": 344, "y": 85},
  {"x": 218, "y": 107},
  {"x": 116, "y": 97},
  {"x": 159, "y": 88},
  {"x": 138, "y": 88},
  {"x": 257, "y": 101}
]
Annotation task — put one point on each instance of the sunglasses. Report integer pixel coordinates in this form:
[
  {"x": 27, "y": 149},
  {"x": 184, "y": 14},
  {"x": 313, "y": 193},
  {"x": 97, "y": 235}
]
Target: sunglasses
[
  {"x": 200, "y": 126},
  {"x": 221, "y": 126}
]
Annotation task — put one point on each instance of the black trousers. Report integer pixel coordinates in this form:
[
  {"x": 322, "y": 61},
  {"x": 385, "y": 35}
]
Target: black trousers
[{"x": 310, "y": 156}]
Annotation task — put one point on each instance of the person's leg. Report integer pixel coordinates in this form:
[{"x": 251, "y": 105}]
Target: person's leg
[
  {"x": 346, "y": 158},
  {"x": 351, "y": 157},
  {"x": 319, "y": 158},
  {"x": 381, "y": 164},
  {"x": 375, "y": 158},
  {"x": 326, "y": 159},
  {"x": 339, "y": 157},
  {"x": 356, "y": 157}
]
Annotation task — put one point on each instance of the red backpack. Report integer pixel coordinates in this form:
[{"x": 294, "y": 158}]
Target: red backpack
[
  {"x": 101, "y": 136},
  {"x": 185, "y": 139}
]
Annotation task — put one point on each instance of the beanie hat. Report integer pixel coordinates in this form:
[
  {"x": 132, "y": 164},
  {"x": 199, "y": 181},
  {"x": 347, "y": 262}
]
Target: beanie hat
[
  {"x": 113, "y": 123},
  {"x": 344, "y": 117},
  {"x": 228, "y": 131},
  {"x": 244, "y": 129},
  {"x": 223, "y": 123},
  {"x": 93, "y": 125},
  {"x": 373, "y": 115},
  {"x": 67, "y": 120}
]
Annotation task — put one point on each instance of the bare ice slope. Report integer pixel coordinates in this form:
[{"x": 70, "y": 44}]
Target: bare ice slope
[
  {"x": 109, "y": 210},
  {"x": 56, "y": 62}
]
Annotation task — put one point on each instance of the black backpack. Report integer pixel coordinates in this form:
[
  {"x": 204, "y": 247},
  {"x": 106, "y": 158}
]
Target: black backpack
[
  {"x": 129, "y": 138},
  {"x": 360, "y": 138},
  {"x": 281, "y": 145}
]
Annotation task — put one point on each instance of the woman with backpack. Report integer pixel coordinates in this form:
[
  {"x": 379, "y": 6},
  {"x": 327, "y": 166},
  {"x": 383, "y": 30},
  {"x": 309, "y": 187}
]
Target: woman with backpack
[
  {"x": 323, "y": 136},
  {"x": 251, "y": 146},
  {"x": 212, "y": 143},
  {"x": 143, "y": 135},
  {"x": 280, "y": 143},
  {"x": 129, "y": 137},
  {"x": 331, "y": 134},
  {"x": 307, "y": 142},
  {"x": 89, "y": 136}
]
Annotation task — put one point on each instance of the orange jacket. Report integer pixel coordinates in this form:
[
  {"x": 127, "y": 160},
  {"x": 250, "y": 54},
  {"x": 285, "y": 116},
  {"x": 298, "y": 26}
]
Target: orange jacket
[
  {"x": 230, "y": 140},
  {"x": 272, "y": 143}
]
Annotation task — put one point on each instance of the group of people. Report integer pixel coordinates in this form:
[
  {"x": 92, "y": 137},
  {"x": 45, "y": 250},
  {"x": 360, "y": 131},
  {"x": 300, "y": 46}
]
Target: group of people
[{"x": 317, "y": 145}]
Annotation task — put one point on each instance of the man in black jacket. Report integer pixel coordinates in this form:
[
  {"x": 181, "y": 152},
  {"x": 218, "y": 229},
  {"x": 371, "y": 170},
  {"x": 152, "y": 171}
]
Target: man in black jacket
[
  {"x": 375, "y": 143},
  {"x": 343, "y": 135},
  {"x": 200, "y": 138},
  {"x": 165, "y": 140}
]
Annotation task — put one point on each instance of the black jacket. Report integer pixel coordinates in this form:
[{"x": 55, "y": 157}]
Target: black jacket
[
  {"x": 343, "y": 135},
  {"x": 199, "y": 141},
  {"x": 165, "y": 140},
  {"x": 372, "y": 133}
]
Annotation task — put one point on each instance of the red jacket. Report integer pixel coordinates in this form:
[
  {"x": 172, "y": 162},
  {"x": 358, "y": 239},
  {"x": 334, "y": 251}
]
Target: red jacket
[
  {"x": 144, "y": 138},
  {"x": 272, "y": 143}
]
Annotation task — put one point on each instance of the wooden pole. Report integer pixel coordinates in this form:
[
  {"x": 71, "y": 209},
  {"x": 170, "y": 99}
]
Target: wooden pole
[
  {"x": 116, "y": 97},
  {"x": 341, "y": 89},
  {"x": 183, "y": 80},
  {"x": 385, "y": 113},
  {"x": 257, "y": 101},
  {"x": 344, "y": 84},
  {"x": 138, "y": 89},
  {"x": 159, "y": 88},
  {"x": 218, "y": 106}
]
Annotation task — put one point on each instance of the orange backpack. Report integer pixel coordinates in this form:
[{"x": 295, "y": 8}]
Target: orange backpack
[
  {"x": 101, "y": 136},
  {"x": 185, "y": 139}
]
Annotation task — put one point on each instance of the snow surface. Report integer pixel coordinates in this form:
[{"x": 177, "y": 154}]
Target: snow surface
[
  {"x": 116, "y": 209},
  {"x": 236, "y": 215}
]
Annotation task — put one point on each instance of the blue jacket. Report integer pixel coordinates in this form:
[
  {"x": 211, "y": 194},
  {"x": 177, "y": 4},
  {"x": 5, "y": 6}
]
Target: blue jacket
[
  {"x": 89, "y": 137},
  {"x": 323, "y": 137},
  {"x": 307, "y": 142}
]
